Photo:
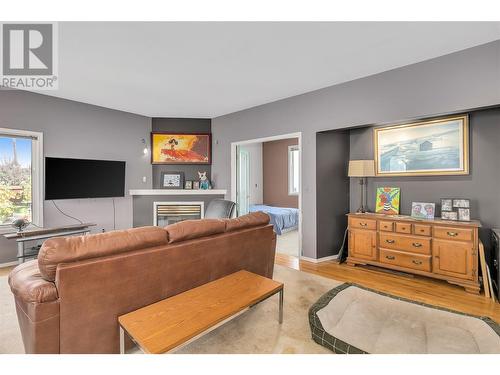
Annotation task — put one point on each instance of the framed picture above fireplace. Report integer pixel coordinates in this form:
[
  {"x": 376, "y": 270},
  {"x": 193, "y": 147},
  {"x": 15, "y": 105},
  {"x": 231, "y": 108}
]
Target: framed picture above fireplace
[{"x": 179, "y": 148}]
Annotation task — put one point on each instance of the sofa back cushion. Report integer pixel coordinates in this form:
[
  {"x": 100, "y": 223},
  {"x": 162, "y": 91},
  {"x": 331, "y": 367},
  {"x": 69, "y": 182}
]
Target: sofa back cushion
[
  {"x": 71, "y": 249},
  {"x": 191, "y": 229},
  {"x": 250, "y": 220}
]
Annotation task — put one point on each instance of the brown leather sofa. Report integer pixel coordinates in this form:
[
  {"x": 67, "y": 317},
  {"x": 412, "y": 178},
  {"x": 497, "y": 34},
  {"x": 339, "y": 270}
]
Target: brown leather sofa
[{"x": 69, "y": 299}]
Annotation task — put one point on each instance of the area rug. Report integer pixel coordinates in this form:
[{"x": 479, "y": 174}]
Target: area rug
[
  {"x": 355, "y": 319},
  {"x": 255, "y": 331}
]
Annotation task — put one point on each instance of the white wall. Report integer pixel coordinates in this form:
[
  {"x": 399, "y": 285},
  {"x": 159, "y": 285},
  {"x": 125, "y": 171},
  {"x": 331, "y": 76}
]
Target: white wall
[
  {"x": 256, "y": 184},
  {"x": 455, "y": 82},
  {"x": 78, "y": 130}
]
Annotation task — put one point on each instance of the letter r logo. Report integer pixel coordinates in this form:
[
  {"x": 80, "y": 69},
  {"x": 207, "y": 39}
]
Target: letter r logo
[{"x": 27, "y": 49}]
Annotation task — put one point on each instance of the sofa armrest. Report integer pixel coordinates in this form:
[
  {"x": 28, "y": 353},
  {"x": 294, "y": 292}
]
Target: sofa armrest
[
  {"x": 37, "y": 307},
  {"x": 28, "y": 285}
]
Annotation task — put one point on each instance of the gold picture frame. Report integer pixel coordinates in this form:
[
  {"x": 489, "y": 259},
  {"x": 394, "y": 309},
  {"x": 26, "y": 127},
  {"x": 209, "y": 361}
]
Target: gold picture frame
[
  {"x": 181, "y": 148},
  {"x": 409, "y": 149}
]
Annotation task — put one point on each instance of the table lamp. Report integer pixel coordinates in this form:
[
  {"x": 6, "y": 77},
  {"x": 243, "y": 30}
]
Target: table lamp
[{"x": 362, "y": 169}]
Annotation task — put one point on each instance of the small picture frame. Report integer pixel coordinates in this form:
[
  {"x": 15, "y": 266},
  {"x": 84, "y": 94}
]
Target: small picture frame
[
  {"x": 461, "y": 203},
  {"x": 196, "y": 185},
  {"x": 449, "y": 215},
  {"x": 446, "y": 204},
  {"x": 464, "y": 214},
  {"x": 423, "y": 210},
  {"x": 188, "y": 184},
  {"x": 172, "y": 180}
]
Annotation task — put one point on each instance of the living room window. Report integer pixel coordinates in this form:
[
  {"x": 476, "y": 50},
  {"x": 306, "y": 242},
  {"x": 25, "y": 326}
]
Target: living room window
[
  {"x": 293, "y": 170},
  {"x": 21, "y": 163}
]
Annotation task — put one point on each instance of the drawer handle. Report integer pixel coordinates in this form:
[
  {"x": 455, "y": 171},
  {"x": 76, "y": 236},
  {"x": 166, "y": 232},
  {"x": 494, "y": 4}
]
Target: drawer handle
[
  {"x": 363, "y": 224},
  {"x": 417, "y": 262},
  {"x": 416, "y": 244},
  {"x": 390, "y": 241},
  {"x": 452, "y": 234},
  {"x": 390, "y": 257}
]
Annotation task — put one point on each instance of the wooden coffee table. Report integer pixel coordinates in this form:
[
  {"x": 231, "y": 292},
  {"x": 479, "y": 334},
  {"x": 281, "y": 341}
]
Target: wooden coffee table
[{"x": 174, "y": 322}]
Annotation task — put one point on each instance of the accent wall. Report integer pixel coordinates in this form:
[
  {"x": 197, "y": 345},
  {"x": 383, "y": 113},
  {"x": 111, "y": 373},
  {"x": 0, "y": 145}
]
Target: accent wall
[{"x": 275, "y": 170}]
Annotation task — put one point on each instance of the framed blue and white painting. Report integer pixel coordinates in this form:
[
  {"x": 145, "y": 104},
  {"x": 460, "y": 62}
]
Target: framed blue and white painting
[{"x": 435, "y": 147}]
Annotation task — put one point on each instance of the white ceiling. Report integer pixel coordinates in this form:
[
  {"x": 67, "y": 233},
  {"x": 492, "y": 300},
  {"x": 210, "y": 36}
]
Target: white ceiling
[{"x": 166, "y": 69}]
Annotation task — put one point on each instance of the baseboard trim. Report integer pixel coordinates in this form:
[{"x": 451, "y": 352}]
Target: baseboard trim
[
  {"x": 319, "y": 260},
  {"x": 8, "y": 264}
]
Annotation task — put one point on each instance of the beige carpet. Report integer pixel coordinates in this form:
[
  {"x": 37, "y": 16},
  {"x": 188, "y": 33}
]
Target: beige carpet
[
  {"x": 256, "y": 331},
  {"x": 10, "y": 336},
  {"x": 288, "y": 243}
]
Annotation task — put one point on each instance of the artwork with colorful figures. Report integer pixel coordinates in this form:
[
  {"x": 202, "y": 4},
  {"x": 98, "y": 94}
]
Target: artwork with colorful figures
[{"x": 387, "y": 200}]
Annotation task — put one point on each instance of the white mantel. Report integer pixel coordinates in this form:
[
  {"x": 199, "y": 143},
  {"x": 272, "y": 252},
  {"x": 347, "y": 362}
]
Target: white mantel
[{"x": 177, "y": 192}]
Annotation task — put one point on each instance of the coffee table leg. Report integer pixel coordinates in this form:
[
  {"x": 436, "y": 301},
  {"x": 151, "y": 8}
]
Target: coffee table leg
[
  {"x": 281, "y": 306},
  {"x": 122, "y": 341}
]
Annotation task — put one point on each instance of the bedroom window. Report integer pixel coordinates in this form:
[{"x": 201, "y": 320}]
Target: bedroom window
[
  {"x": 21, "y": 161},
  {"x": 293, "y": 170}
]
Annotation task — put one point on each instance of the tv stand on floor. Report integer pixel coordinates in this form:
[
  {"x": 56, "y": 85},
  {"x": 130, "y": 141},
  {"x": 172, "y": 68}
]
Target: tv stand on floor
[{"x": 41, "y": 234}]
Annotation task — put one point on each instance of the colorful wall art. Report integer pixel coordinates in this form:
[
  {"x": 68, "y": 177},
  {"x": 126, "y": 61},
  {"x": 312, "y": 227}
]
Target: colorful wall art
[{"x": 387, "y": 200}]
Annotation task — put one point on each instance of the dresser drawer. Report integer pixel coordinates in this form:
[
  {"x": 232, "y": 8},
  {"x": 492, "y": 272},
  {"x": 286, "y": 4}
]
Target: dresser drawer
[
  {"x": 406, "y": 260},
  {"x": 421, "y": 229},
  {"x": 360, "y": 223},
  {"x": 386, "y": 226},
  {"x": 458, "y": 234},
  {"x": 412, "y": 244},
  {"x": 403, "y": 228}
]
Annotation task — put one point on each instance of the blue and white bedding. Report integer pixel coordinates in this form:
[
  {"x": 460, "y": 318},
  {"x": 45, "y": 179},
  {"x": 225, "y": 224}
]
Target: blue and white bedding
[{"x": 282, "y": 218}]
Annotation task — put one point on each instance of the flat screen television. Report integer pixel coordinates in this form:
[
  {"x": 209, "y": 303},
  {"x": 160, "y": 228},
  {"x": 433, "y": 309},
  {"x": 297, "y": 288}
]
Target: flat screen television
[{"x": 83, "y": 178}]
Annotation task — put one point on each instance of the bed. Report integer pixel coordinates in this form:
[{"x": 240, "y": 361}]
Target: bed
[{"x": 282, "y": 218}]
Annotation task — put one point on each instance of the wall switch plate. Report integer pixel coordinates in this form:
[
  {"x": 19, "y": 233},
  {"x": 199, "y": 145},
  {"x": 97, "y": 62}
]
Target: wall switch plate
[{"x": 144, "y": 179}]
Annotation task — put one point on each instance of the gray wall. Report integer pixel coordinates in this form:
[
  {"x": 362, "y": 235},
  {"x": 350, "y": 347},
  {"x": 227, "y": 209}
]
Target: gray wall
[
  {"x": 180, "y": 125},
  {"x": 332, "y": 190},
  {"x": 462, "y": 80},
  {"x": 481, "y": 186},
  {"x": 78, "y": 130}
]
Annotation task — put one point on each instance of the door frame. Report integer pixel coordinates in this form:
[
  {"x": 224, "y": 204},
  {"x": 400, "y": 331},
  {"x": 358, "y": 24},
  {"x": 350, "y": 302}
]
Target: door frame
[
  {"x": 238, "y": 175},
  {"x": 234, "y": 180}
]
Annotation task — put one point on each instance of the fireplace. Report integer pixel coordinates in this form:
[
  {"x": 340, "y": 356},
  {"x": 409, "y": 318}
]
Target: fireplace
[{"x": 166, "y": 213}]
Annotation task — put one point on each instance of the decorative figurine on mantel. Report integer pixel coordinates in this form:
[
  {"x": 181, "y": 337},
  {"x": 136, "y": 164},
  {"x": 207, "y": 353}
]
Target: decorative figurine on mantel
[{"x": 204, "y": 181}]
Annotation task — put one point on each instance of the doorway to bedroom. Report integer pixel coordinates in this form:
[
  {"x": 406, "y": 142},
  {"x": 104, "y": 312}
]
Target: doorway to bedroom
[{"x": 266, "y": 176}]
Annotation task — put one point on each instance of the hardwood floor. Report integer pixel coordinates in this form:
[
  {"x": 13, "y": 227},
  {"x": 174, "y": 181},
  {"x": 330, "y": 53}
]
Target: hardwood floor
[
  {"x": 6, "y": 270},
  {"x": 418, "y": 288}
]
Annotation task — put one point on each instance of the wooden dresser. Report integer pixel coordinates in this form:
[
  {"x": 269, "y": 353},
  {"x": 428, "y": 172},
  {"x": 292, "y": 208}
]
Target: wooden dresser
[{"x": 446, "y": 250}]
